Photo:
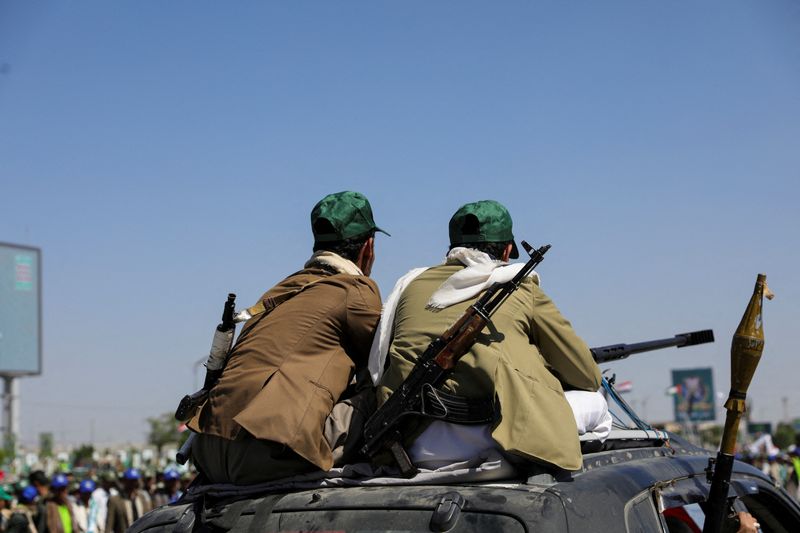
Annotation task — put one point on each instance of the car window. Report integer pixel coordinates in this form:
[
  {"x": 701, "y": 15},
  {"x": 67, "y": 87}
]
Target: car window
[
  {"x": 641, "y": 514},
  {"x": 684, "y": 519},
  {"x": 772, "y": 512}
]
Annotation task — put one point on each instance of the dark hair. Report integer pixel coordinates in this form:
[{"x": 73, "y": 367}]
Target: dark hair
[
  {"x": 348, "y": 248},
  {"x": 37, "y": 477},
  {"x": 472, "y": 226},
  {"x": 494, "y": 249}
]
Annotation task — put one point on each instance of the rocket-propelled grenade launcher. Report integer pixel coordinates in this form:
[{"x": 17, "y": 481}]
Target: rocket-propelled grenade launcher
[
  {"x": 220, "y": 346},
  {"x": 746, "y": 349}
]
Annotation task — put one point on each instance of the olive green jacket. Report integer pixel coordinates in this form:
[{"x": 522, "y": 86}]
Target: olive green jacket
[
  {"x": 289, "y": 367},
  {"x": 526, "y": 355}
]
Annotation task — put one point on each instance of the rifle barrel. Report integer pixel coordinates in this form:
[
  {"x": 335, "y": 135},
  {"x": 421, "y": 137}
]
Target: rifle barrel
[{"x": 615, "y": 352}]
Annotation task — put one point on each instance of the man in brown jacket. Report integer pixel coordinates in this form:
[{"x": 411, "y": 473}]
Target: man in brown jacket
[
  {"x": 266, "y": 417},
  {"x": 525, "y": 358},
  {"x": 60, "y": 516},
  {"x": 129, "y": 505}
]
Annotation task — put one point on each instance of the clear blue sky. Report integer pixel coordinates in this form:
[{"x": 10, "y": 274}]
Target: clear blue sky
[{"x": 163, "y": 154}]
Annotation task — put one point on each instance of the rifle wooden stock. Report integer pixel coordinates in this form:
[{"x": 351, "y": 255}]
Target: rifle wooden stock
[{"x": 460, "y": 344}]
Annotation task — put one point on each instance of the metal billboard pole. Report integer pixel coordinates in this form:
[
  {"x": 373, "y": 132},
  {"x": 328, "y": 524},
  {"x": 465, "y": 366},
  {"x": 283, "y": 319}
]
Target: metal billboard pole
[{"x": 10, "y": 410}]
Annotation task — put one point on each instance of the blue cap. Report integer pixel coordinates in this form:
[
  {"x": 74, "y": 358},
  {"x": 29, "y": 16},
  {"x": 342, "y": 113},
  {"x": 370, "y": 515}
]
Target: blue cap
[
  {"x": 171, "y": 475},
  {"x": 87, "y": 485},
  {"x": 29, "y": 494},
  {"x": 131, "y": 473},
  {"x": 59, "y": 481}
]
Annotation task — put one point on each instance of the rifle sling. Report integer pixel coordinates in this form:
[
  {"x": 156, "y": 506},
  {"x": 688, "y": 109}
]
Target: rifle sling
[{"x": 267, "y": 305}]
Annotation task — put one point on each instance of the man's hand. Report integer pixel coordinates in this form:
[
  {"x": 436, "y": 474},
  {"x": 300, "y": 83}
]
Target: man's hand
[{"x": 747, "y": 523}]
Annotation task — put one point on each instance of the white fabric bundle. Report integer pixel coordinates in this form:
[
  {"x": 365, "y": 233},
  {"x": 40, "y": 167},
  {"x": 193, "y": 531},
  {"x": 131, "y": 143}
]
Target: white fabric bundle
[
  {"x": 591, "y": 412},
  {"x": 443, "y": 443}
]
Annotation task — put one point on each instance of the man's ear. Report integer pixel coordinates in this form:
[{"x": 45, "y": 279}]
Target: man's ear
[
  {"x": 366, "y": 256},
  {"x": 507, "y": 252}
]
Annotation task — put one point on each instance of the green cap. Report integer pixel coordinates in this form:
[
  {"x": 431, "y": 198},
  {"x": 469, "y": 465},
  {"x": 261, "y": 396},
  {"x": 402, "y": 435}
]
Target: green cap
[
  {"x": 342, "y": 215},
  {"x": 483, "y": 221},
  {"x": 5, "y": 495}
]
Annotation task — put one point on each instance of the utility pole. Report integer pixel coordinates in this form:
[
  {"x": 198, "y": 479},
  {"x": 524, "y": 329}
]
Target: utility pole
[{"x": 785, "y": 402}]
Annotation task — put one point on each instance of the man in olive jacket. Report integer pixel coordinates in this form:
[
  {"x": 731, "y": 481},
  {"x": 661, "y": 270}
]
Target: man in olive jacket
[
  {"x": 267, "y": 415},
  {"x": 525, "y": 357}
]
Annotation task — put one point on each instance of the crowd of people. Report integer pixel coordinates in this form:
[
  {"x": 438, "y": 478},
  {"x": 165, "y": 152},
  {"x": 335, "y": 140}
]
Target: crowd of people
[
  {"x": 106, "y": 502},
  {"x": 782, "y": 466}
]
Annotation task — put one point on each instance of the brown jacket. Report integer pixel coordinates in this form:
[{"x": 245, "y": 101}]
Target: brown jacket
[
  {"x": 289, "y": 367},
  {"x": 120, "y": 516},
  {"x": 54, "y": 523},
  {"x": 526, "y": 356}
]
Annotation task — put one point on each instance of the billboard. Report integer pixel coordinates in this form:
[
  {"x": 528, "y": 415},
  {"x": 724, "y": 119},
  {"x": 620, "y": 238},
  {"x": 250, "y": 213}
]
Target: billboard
[
  {"x": 20, "y": 310},
  {"x": 759, "y": 427},
  {"x": 694, "y": 395}
]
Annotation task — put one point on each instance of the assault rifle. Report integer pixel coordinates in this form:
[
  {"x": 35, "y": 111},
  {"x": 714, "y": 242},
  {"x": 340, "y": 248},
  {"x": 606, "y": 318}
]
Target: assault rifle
[
  {"x": 220, "y": 346},
  {"x": 217, "y": 357},
  {"x": 435, "y": 364}
]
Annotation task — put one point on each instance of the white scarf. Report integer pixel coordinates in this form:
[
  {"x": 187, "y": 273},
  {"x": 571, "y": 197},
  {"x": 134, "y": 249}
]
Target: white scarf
[
  {"x": 482, "y": 272},
  {"x": 383, "y": 334},
  {"x": 335, "y": 261}
]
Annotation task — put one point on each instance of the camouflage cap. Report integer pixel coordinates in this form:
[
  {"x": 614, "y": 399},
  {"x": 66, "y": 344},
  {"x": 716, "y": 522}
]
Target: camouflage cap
[
  {"x": 107, "y": 475},
  {"x": 482, "y": 221},
  {"x": 342, "y": 215}
]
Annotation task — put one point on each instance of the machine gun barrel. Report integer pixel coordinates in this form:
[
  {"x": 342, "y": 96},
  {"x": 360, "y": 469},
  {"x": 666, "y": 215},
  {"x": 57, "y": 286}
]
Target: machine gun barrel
[{"x": 615, "y": 352}]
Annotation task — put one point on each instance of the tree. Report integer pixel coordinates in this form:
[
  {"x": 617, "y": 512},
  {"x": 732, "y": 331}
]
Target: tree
[
  {"x": 46, "y": 444},
  {"x": 784, "y": 436},
  {"x": 83, "y": 455},
  {"x": 163, "y": 431},
  {"x": 712, "y": 436},
  {"x": 9, "y": 450}
]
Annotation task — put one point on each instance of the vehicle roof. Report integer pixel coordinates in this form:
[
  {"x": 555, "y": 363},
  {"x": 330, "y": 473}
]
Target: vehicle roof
[{"x": 596, "y": 495}]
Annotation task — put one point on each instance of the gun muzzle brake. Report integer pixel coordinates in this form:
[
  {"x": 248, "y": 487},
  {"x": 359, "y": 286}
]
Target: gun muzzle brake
[{"x": 697, "y": 337}]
